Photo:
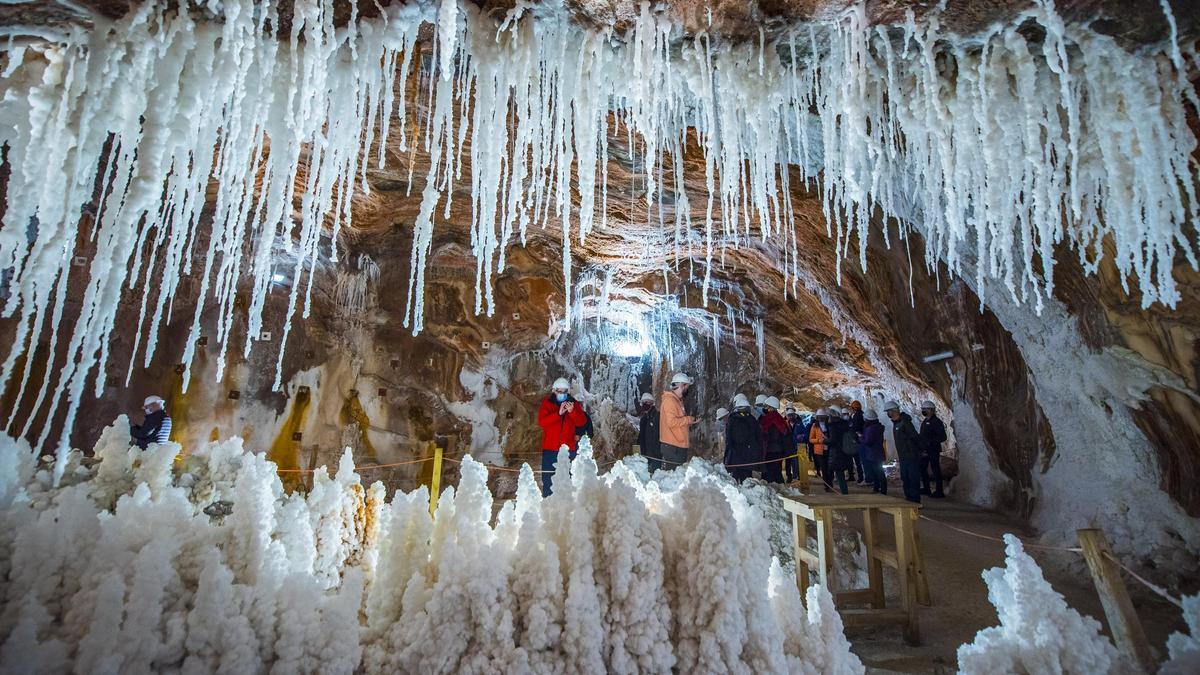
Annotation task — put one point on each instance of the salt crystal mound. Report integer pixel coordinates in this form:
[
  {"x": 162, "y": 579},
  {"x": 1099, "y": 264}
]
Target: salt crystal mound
[
  {"x": 212, "y": 567},
  {"x": 996, "y": 149},
  {"x": 1184, "y": 650},
  {"x": 1038, "y": 633}
]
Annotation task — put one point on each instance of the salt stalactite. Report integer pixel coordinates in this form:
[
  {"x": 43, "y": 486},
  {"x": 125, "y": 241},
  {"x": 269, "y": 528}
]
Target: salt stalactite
[
  {"x": 1027, "y": 146},
  {"x": 212, "y": 567},
  {"x": 760, "y": 343}
]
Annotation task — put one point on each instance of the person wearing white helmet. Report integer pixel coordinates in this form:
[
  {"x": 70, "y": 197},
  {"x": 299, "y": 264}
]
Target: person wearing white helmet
[
  {"x": 932, "y": 435},
  {"x": 908, "y": 450},
  {"x": 776, "y": 438},
  {"x": 674, "y": 422},
  {"x": 743, "y": 440},
  {"x": 648, "y": 433},
  {"x": 559, "y": 416},
  {"x": 156, "y": 427},
  {"x": 758, "y": 405}
]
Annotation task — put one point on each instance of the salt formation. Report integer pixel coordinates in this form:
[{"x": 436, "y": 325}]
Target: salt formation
[
  {"x": 1038, "y": 632},
  {"x": 205, "y": 565},
  {"x": 1184, "y": 650},
  {"x": 982, "y": 147}
]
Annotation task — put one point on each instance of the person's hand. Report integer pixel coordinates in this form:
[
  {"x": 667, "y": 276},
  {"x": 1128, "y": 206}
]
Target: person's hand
[
  {"x": 562, "y": 408},
  {"x": 569, "y": 405}
]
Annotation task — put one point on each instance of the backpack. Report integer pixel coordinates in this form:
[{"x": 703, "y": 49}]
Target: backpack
[{"x": 849, "y": 445}]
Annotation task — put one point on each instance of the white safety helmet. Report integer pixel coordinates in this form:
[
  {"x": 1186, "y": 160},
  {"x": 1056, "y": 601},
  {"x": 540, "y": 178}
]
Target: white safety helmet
[
  {"x": 153, "y": 399},
  {"x": 760, "y": 399},
  {"x": 772, "y": 403},
  {"x": 561, "y": 384},
  {"x": 647, "y": 398},
  {"x": 834, "y": 410},
  {"x": 791, "y": 410},
  {"x": 871, "y": 415},
  {"x": 740, "y": 401},
  {"x": 681, "y": 378},
  {"x": 722, "y": 414},
  {"x": 821, "y": 412},
  {"x": 928, "y": 405},
  {"x": 891, "y": 405}
]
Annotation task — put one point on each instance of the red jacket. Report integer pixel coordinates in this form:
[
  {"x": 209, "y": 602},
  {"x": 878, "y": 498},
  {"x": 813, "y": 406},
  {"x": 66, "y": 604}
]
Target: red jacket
[
  {"x": 775, "y": 434},
  {"x": 559, "y": 430}
]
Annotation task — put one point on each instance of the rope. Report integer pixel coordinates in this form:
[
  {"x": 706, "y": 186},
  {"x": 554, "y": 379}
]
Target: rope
[
  {"x": 364, "y": 468},
  {"x": 1153, "y": 587}
]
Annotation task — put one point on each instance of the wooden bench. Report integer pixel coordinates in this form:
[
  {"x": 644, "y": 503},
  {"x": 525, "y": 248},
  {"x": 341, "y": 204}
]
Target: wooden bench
[{"x": 906, "y": 557}]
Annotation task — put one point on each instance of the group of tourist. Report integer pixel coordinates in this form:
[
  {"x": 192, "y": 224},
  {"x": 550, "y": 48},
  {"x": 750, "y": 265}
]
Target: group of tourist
[{"x": 844, "y": 444}]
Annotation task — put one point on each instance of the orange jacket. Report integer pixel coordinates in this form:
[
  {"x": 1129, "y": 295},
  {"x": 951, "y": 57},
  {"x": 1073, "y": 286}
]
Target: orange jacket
[
  {"x": 816, "y": 439},
  {"x": 673, "y": 424}
]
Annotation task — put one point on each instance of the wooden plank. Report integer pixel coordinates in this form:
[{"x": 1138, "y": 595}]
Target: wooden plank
[
  {"x": 792, "y": 506},
  {"x": 807, "y": 557},
  {"x": 1122, "y": 619},
  {"x": 850, "y": 501},
  {"x": 873, "y": 617},
  {"x": 918, "y": 558},
  {"x": 908, "y": 599},
  {"x": 825, "y": 546},
  {"x": 874, "y": 567},
  {"x": 887, "y": 556},
  {"x": 799, "y": 544},
  {"x": 855, "y": 597}
]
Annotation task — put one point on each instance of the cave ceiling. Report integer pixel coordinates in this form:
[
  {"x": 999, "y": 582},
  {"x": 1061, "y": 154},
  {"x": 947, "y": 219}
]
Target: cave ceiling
[{"x": 1133, "y": 22}]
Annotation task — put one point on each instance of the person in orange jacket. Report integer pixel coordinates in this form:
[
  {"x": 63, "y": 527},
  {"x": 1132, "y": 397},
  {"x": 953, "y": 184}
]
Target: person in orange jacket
[
  {"x": 673, "y": 423},
  {"x": 559, "y": 416}
]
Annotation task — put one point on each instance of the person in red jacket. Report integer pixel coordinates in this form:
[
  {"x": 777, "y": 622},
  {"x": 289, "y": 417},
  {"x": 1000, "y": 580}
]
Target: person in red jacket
[
  {"x": 776, "y": 437},
  {"x": 558, "y": 416}
]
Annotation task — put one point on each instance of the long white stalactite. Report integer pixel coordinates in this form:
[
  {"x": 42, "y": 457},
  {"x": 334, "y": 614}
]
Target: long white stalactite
[{"x": 999, "y": 150}]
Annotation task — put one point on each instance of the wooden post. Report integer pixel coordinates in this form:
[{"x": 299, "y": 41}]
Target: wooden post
[
  {"x": 799, "y": 543},
  {"x": 907, "y": 578},
  {"x": 825, "y": 546},
  {"x": 918, "y": 559},
  {"x": 435, "y": 483},
  {"x": 874, "y": 567},
  {"x": 1122, "y": 619}
]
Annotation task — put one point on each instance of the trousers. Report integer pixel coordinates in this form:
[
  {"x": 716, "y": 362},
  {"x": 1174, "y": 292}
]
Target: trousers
[
  {"x": 910, "y": 476},
  {"x": 875, "y": 475},
  {"x": 673, "y": 455},
  {"x": 931, "y": 462}
]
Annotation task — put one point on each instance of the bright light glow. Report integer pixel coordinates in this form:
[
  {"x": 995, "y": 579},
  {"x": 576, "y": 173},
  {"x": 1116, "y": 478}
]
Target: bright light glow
[
  {"x": 630, "y": 348},
  {"x": 278, "y": 279}
]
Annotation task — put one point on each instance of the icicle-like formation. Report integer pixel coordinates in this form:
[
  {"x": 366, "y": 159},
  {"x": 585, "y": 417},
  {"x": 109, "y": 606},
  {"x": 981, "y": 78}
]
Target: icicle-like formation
[
  {"x": 218, "y": 570},
  {"x": 760, "y": 343},
  {"x": 997, "y": 151}
]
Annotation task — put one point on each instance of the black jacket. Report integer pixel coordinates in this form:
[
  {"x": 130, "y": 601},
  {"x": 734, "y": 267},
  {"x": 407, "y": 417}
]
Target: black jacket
[
  {"x": 743, "y": 439},
  {"x": 836, "y": 430},
  {"x": 932, "y": 434},
  {"x": 648, "y": 434},
  {"x": 155, "y": 429},
  {"x": 586, "y": 429},
  {"x": 857, "y": 421},
  {"x": 908, "y": 441}
]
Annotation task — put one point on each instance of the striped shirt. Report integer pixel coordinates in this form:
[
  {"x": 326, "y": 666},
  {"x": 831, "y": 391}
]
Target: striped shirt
[{"x": 164, "y": 431}]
